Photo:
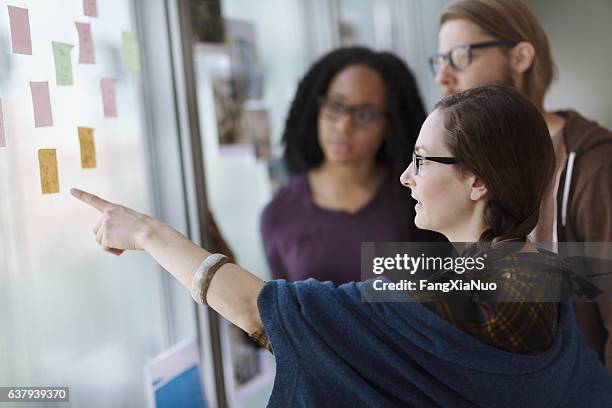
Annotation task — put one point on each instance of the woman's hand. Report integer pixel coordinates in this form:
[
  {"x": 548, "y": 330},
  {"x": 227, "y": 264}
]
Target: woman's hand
[
  {"x": 232, "y": 293},
  {"x": 120, "y": 228}
]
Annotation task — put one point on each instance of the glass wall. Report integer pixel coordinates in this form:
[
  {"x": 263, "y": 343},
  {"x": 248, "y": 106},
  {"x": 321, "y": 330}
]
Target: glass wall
[{"x": 73, "y": 315}]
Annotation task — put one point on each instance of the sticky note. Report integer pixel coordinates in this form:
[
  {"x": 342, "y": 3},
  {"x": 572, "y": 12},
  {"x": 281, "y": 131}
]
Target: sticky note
[
  {"x": 90, "y": 8},
  {"x": 49, "y": 179},
  {"x": 131, "y": 56},
  {"x": 109, "y": 99},
  {"x": 20, "y": 30},
  {"x": 42, "y": 104},
  {"x": 87, "y": 53},
  {"x": 88, "y": 148},
  {"x": 2, "y": 134},
  {"x": 63, "y": 63}
]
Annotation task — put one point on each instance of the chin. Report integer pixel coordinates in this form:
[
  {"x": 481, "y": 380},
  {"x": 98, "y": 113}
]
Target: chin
[
  {"x": 424, "y": 225},
  {"x": 420, "y": 224}
]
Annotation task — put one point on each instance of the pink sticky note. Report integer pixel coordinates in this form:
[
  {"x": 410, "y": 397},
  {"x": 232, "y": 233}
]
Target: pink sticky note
[
  {"x": 42, "y": 104},
  {"x": 20, "y": 30},
  {"x": 2, "y": 135},
  {"x": 109, "y": 100},
  {"x": 87, "y": 54},
  {"x": 90, "y": 8}
]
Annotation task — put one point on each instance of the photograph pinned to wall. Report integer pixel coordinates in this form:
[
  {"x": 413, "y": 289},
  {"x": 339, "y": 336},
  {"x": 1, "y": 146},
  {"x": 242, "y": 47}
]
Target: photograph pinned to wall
[
  {"x": 228, "y": 107},
  {"x": 256, "y": 128},
  {"x": 246, "y": 70},
  {"x": 207, "y": 21},
  {"x": 174, "y": 378},
  {"x": 247, "y": 368}
]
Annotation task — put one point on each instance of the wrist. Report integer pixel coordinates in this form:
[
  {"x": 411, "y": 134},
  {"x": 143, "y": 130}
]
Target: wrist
[{"x": 151, "y": 230}]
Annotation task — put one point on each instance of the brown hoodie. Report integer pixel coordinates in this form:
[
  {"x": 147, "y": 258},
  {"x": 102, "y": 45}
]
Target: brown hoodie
[{"x": 584, "y": 212}]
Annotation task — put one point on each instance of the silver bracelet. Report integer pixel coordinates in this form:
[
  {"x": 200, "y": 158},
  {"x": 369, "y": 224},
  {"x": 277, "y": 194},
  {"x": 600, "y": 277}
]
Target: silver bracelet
[{"x": 204, "y": 274}]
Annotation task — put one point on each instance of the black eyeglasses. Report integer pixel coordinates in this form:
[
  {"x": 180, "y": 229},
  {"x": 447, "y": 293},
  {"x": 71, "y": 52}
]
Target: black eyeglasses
[
  {"x": 363, "y": 115},
  {"x": 418, "y": 161},
  {"x": 460, "y": 57}
]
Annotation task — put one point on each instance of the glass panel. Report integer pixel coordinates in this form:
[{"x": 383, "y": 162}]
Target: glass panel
[
  {"x": 245, "y": 86},
  {"x": 73, "y": 315}
]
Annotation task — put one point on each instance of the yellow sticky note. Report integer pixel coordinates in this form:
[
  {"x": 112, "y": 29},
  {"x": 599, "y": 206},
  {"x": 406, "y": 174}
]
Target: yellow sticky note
[
  {"x": 49, "y": 179},
  {"x": 88, "y": 148}
]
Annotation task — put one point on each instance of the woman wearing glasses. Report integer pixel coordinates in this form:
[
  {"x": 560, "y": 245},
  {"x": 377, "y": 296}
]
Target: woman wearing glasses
[
  {"x": 348, "y": 137},
  {"x": 483, "y": 158}
]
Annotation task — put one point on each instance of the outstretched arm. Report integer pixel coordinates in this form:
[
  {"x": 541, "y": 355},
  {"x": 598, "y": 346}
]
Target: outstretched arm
[{"x": 232, "y": 293}]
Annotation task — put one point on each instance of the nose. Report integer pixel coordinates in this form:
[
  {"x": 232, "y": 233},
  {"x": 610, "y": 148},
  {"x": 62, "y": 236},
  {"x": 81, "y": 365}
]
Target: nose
[
  {"x": 445, "y": 76},
  {"x": 344, "y": 122},
  {"x": 407, "y": 177}
]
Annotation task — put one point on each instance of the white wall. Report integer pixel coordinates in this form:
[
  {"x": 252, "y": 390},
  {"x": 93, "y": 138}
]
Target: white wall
[{"x": 580, "y": 33}]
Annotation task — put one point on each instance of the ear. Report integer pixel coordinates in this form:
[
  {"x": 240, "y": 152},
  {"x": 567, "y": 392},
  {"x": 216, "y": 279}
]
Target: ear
[
  {"x": 521, "y": 57},
  {"x": 478, "y": 189}
]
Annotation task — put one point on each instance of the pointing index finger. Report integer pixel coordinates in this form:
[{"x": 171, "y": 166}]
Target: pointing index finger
[{"x": 93, "y": 200}]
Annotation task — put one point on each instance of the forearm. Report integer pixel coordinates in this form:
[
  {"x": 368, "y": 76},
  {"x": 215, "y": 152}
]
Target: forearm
[{"x": 232, "y": 292}]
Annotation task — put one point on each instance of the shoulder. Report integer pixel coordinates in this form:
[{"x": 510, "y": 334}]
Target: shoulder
[
  {"x": 285, "y": 202},
  {"x": 583, "y": 135}
]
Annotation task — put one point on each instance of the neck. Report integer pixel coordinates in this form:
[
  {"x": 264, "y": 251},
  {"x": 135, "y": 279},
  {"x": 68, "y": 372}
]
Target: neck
[
  {"x": 348, "y": 175},
  {"x": 470, "y": 230},
  {"x": 554, "y": 122}
]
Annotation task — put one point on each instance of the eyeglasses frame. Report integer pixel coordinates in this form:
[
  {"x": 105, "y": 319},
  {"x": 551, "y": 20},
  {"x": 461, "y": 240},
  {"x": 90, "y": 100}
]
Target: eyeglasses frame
[
  {"x": 322, "y": 100},
  {"x": 437, "y": 159},
  {"x": 470, "y": 47}
]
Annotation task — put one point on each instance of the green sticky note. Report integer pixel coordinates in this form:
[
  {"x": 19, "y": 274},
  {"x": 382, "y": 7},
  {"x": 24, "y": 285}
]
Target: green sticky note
[
  {"x": 63, "y": 63},
  {"x": 131, "y": 56}
]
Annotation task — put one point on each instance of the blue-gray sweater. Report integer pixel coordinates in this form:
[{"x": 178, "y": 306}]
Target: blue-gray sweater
[{"x": 333, "y": 350}]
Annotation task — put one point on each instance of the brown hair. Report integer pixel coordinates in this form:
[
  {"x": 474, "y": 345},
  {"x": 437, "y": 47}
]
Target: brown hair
[
  {"x": 502, "y": 138},
  {"x": 511, "y": 20}
]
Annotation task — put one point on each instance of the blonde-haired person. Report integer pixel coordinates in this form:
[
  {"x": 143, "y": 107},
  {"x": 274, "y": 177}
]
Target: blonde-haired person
[{"x": 488, "y": 42}]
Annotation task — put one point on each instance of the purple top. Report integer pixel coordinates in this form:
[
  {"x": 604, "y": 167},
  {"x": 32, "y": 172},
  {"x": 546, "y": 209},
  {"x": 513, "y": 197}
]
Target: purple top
[{"x": 302, "y": 240}]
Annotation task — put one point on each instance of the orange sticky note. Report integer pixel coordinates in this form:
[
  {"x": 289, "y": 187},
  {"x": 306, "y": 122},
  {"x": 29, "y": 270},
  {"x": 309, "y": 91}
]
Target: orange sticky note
[
  {"x": 87, "y": 53},
  {"x": 49, "y": 179},
  {"x": 109, "y": 100},
  {"x": 20, "y": 30},
  {"x": 88, "y": 148},
  {"x": 90, "y": 8},
  {"x": 2, "y": 135},
  {"x": 42, "y": 104}
]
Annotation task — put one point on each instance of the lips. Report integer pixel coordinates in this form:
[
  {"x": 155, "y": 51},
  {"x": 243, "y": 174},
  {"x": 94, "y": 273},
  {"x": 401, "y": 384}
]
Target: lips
[
  {"x": 418, "y": 204},
  {"x": 339, "y": 146}
]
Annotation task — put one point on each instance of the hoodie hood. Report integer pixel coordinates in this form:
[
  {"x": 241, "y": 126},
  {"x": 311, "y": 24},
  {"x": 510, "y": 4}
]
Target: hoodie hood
[
  {"x": 583, "y": 135},
  {"x": 589, "y": 148}
]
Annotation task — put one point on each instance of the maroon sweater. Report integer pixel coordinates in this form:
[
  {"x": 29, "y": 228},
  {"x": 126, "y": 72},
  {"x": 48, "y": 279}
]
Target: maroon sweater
[{"x": 302, "y": 240}]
